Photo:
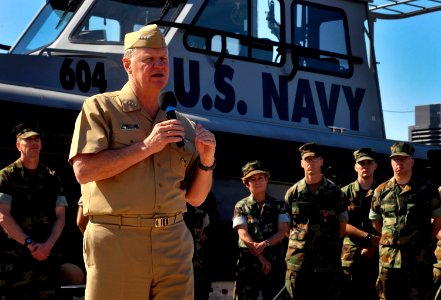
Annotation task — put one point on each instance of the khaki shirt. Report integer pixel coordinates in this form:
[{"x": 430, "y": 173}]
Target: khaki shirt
[{"x": 151, "y": 187}]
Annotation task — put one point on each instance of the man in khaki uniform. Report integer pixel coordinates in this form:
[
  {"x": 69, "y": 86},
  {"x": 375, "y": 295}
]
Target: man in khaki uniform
[{"x": 124, "y": 153}]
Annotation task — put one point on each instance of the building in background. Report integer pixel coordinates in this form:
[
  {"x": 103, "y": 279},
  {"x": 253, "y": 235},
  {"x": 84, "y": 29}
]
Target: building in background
[{"x": 427, "y": 128}]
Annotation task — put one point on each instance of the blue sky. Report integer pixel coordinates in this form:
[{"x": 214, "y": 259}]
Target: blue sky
[{"x": 408, "y": 52}]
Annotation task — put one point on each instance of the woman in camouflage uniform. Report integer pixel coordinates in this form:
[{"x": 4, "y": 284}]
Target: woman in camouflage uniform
[{"x": 261, "y": 222}]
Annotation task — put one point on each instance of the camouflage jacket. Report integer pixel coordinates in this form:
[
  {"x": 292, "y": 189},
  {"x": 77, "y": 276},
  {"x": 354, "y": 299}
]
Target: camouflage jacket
[
  {"x": 262, "y": 224},
  {"x": 359, "y": 204},
  {"x": 313, "y": 238},
  {"x": 202, "y": 219},
  {"x": 196, "y": 219},
  {"x": 437, "y": 252},
  {"x": 33, "y": 197},
  {"x": 406, "y": 222}
]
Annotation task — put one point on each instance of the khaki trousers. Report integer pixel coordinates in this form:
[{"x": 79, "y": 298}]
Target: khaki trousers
[{"x": 131, "y": 263}]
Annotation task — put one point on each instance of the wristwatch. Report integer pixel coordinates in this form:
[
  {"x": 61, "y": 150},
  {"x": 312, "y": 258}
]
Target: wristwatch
[
  {"x": 205, "y": 168},
  {"x": 368, "y": 237},
  {"x": 267, "y": 243},
  {"x": 28, "y": 241}
]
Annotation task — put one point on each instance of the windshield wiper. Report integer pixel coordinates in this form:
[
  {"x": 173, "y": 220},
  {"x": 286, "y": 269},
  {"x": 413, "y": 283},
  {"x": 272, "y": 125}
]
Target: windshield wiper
[{"x": 71, "y": 6}]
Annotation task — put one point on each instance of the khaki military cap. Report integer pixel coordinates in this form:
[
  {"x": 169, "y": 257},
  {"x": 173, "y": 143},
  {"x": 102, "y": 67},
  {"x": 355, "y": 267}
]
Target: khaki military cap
[
  {"x": 253, "y": 168},
  {"x": 364, "y": 154},
  {"x": 149, "y": 36},
  {"x": 310, "y": 149},
  {"x": 402, "y": 149},
  {"x": 25, "y": 130}
]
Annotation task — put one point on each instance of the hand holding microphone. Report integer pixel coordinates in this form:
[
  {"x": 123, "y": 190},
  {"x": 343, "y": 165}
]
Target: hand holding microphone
[{"x": 168, "y": 102}]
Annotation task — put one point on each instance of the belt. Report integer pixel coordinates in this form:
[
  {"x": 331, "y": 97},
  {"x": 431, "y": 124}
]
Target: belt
[{"x": 136, "y": 221}]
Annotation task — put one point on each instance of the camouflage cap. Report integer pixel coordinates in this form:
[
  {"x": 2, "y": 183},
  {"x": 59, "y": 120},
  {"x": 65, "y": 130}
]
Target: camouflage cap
[
  {"x": 149, "y": 36},
  {"x": 252, "y": 168},
  {"x": 402, "y": 149},
  {"x": 26, "y": 129},
  {"x": 364, "y": 154},
  {"x": 310, "y": 149}
]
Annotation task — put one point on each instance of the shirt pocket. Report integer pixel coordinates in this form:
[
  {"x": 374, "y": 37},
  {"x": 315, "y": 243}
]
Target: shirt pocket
[
  {"x": 295, "y": 254},
  {"x": 181, "y": 158},
  {"x": 299, "y": 232},
  {"x": 412, "y": 216},
  {"x": 389, "y": 256},
  {"x": 124, "y": 138}
]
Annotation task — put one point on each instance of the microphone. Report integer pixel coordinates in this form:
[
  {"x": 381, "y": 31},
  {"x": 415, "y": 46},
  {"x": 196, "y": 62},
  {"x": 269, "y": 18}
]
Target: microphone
[{"x": 168, "y": 102}]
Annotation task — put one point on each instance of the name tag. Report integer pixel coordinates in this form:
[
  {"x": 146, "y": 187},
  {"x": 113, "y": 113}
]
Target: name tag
[{"x": 129, "y": 127}]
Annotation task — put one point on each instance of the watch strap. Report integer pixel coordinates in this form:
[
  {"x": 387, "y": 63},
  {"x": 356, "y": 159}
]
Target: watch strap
[
  {"x": 28, "y": 241},
  {"x": 205, "y": 168}
]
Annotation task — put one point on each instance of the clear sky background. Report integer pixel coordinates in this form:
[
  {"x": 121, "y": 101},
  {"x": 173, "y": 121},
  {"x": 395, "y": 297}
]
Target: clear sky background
[{"x": 408, "y": 52}]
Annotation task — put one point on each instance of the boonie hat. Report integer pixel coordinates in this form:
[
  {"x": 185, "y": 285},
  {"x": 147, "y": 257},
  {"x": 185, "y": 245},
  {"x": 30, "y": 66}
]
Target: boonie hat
[
  {"x": 310, "y": 149},
  {"x": 149, "y": 36},
  {"x": 364, "y": 154},
  {"x": 402, "y": 149},
  {"x": 253, "y": 168},
  {"x": 25, "y": 130}
]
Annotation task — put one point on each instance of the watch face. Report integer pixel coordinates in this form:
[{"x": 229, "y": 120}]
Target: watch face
[{"x": 28, "y": 241}]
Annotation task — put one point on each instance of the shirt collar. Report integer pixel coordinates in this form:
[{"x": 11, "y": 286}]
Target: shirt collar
[
  {"x": 129, "y": 102},
  {"x": 266, "y": 202}
]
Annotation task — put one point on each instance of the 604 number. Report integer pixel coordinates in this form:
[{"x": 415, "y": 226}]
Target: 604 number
[{"x": 82, "y": 76}]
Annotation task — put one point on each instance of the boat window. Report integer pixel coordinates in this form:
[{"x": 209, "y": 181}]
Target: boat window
[
  {"x": 46, "y": 27},
  {"x": 107, "y": 22},
  {"x": 242, "y": 29},
  {"x": 321, "y": 38}
]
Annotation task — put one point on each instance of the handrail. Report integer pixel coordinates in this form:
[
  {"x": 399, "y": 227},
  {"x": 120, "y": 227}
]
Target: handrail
[
  {"x": 5, "y": 47},
  {"x": 73, "y": 52},
  {"x": 394, "y": 9}
]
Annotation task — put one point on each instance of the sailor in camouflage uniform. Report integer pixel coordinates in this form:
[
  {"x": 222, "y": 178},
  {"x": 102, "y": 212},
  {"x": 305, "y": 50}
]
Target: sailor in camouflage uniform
[
  {"x": 262, "y": 224},
  {"x": 402, "y": 209},
  {"x": 202, "y": 222},
  {"x": 32, "y": 216},
  {"x": 359, "y": 256},
  {"x": 319, "y": 217}
]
